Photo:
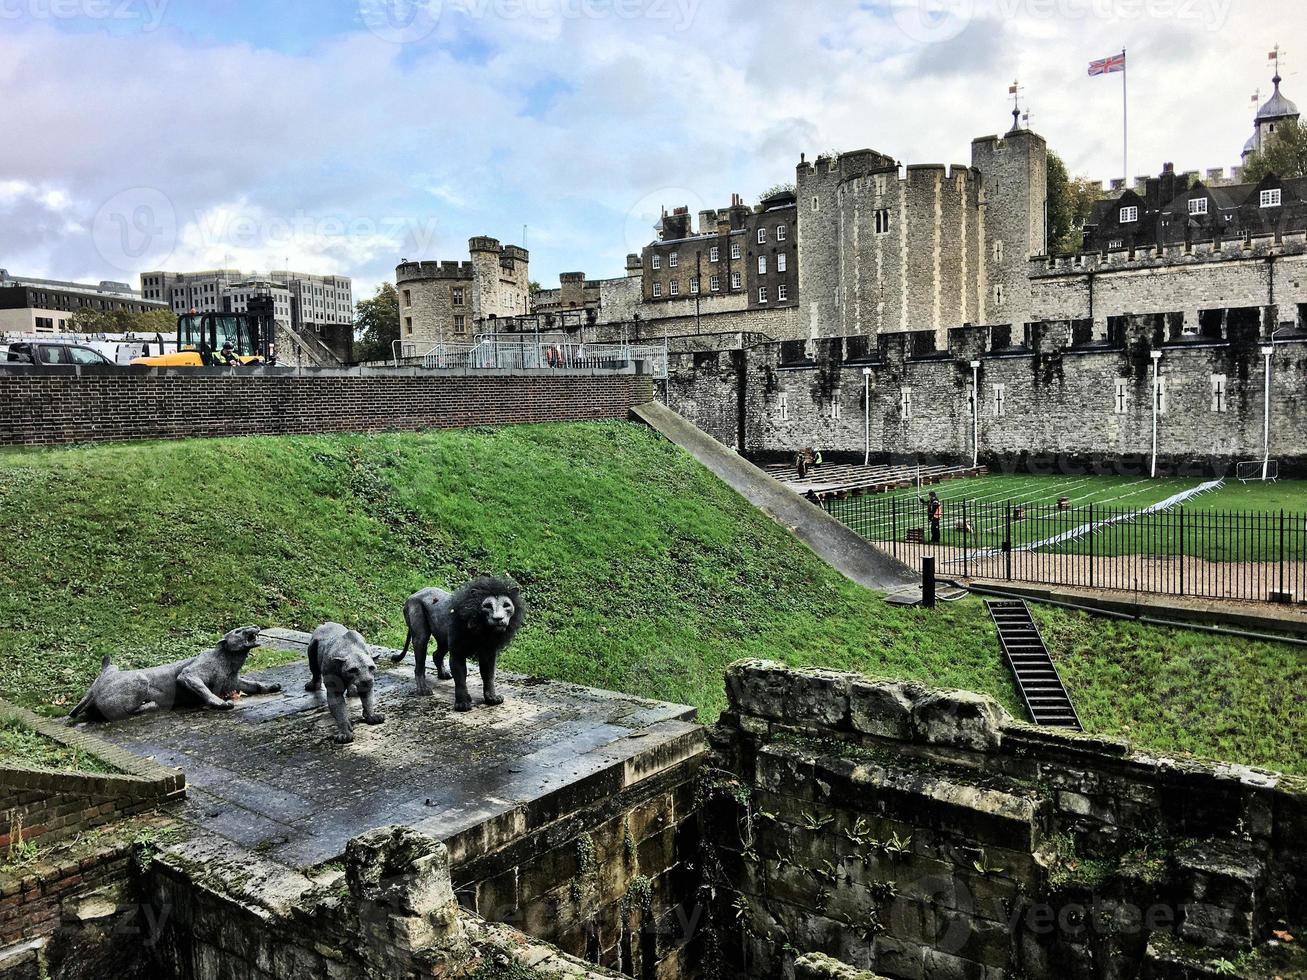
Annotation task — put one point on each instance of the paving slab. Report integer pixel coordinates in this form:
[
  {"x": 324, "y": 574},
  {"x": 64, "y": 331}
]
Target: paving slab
[{"x": 268, "y": 777}]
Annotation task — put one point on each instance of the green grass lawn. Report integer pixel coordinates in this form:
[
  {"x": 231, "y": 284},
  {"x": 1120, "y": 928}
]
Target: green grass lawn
[{"x": 644, "y": 574}]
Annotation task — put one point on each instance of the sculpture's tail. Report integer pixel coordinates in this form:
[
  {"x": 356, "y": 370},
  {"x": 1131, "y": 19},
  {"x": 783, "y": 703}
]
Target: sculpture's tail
[
  {"x": 80, "y": 708},
  {"x": 408, "y": 638}
]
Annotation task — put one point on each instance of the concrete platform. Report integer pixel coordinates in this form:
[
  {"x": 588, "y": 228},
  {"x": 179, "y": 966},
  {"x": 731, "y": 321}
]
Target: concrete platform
[{"x": 267, "y": 776}]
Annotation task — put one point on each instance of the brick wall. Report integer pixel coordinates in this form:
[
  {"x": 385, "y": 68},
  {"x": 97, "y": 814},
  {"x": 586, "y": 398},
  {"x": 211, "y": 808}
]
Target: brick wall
[
  {"x": 50, "y": 406},
  {"x": 46, "y": 805},
  {"x": 922, "y": 833}
]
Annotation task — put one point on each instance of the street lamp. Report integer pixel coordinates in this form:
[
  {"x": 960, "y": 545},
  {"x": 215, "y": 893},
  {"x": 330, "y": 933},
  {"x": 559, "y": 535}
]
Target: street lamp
[
  {"x": 1157, "y": 387},
  {"x": 866, "y": 414},
  {"x": 975, "y": 414}
]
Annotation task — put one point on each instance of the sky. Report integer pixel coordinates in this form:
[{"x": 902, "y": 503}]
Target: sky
[{"x": 344, "y": 136}]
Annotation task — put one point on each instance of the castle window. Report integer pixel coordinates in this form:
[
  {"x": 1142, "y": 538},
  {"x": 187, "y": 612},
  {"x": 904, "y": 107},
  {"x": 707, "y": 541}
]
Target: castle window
[
  {"x": 735, "y": 250},
  {"x": 458, "y": 296},
  {"x": 781, "y": 233},
  {"x": 1129, "y": 215},
  {"x": 816, "y": 204},
  {"x": 783, "y": 407},
  {"x": 781, "y": 262},
  {"x": 762, "y": 236},
  {"x": 905, "y": 403},
  {"x": 1116, "y": 243},
  {"x": 676, "y": 287},
  {"x": 408, "y": 298},
  {"x": 998, "y": 251},
  {"x": 782, "y": 293},
  {"x": 1198, "y": 205},
  {"x": 1271, "y": 199},
  {"x": 882, "y": 221},
  {"x": 1000, "y": 401},
  {"x": 658, "y": 289},
  {"x": 836, "y": 412},
  {"x": 460, "y": 324},
  {"x": 674, "y": 260},
  {"x": 1120, "y": 403},
  {"x": 998, "y": 294},
  {"x": 408, "y": 325},
  {"x": 694, "y": 285},
  {"x": 714, "y": 253},
  {"x": 715, "y": 284},
  {"x": 762, "y": 294},
  {"x": 1218, "y": 393},
  {"x": 657, "y": 261},
  {"x": 1161, "y": 396},
  {"x": 880, "y": 183},
  {"x": 735, "y": 280},
  {"x": 762, "y": 265}
]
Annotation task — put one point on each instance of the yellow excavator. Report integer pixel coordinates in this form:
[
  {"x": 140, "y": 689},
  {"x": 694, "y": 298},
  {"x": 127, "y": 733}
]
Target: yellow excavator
[{"x": 219, "y": 340}]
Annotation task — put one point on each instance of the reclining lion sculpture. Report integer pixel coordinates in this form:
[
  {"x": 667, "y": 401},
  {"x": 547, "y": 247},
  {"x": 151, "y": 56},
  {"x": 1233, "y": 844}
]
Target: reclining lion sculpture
[{"x": 208, "y": 680}]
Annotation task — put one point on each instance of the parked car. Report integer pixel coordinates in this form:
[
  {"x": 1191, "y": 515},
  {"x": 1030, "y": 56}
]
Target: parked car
[{"x": 49, "y": 352}]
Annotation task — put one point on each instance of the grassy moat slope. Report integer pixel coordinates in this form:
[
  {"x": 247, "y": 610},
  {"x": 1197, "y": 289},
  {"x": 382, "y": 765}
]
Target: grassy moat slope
[{"x": 644, "y": 573}]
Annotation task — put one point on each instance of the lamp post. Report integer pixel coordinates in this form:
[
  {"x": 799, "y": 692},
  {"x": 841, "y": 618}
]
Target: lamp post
[
  {"x": 866, "y": 415},
  {"x": 1268, "y": 352},
  {"x": 1157, "y": 387},
  {"x": 975, "y": 414}
]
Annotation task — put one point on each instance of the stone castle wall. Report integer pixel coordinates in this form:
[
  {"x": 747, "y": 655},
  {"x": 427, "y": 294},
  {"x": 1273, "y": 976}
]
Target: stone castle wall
[
  {"x": 925, "y": 834},
  {"x": 1056, "y": 399}
]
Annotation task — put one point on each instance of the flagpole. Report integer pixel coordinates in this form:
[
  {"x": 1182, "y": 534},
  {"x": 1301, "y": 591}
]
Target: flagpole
[{"x": 1125, "y": 118}]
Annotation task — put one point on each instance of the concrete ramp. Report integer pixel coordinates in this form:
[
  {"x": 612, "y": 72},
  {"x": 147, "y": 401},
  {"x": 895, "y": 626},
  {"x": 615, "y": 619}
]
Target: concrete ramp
[{"x": 834, "y": 543}]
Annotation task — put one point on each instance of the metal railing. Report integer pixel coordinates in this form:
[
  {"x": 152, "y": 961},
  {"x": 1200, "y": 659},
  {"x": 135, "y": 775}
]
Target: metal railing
[
  {"x": 523, "y": 352},
  {"x": 1198, "y": 552}
]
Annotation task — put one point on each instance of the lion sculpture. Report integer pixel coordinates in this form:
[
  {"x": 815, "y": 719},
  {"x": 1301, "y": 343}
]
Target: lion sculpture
[
  {"x": 477, "y": 622},
  {"x": 209, "y": 680}
]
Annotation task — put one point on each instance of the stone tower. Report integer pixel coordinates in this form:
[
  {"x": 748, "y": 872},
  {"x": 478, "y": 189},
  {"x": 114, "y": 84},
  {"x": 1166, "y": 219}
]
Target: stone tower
[{"x": 1013, "y": 216}]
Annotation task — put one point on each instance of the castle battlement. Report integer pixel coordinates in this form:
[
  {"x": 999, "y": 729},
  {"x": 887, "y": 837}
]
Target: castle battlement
[
  {"x": 1197, "y": 253},
  {"x": 410, "y": 271}
]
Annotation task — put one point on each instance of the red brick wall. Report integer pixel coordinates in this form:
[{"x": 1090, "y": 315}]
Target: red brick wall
[
  {"x": 54, "y": 408},
  {"x": 32, "y": 899}
]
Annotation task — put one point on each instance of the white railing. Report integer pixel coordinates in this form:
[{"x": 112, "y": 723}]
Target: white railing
[{"x": 522, "y": 352}]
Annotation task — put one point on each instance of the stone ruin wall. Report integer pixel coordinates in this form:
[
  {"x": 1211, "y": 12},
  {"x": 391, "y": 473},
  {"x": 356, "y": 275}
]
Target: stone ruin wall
[{"x": 925, "y": 834}]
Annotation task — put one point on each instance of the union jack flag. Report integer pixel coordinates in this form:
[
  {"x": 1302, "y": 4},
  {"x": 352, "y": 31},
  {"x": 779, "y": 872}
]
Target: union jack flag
[{"x": 1107, "y": 66}]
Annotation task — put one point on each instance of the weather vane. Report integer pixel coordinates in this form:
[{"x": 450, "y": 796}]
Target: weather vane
[{"x": 1015, "y": 90}]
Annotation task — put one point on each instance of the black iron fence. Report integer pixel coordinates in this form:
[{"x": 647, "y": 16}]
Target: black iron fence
[{"x": 1181, "y": 551}]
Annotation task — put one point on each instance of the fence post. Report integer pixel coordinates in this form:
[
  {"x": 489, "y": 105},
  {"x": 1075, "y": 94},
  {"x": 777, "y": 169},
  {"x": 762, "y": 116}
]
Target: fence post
[
  {"x": 1093, "y": 533},
  {"x": 1007, "y": 541},
  {"x": 1282, "y": 599},
  {"x": 1181, "y": 550},
  {"x": 894, "y": 524},
  {"x": 966, "y": 549}
]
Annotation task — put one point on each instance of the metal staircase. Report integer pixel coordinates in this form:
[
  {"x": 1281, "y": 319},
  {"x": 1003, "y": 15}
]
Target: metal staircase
[{"x": 1041, "y": 687}]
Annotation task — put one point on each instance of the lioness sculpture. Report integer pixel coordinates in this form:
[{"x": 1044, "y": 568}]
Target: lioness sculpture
[
  {"x": 478, "y": 621},
  {"x": 208, "y": 680},
  {"x": 340, "y": 662}
]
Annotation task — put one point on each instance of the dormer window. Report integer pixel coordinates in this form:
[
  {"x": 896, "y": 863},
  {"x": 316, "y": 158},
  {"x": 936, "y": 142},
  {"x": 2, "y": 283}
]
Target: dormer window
[
  {"x": 1271, "y": 199},
  {"x": 1129, "y": 215},
  {"x": 1198, "y": 205}
]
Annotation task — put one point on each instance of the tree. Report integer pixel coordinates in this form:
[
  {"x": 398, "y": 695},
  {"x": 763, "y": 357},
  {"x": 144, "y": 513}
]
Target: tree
[
  {"x": 1284, "y": 154},
  {"x": 776, "y": 189},
  {"x": 1070, "y": 203},
  {"x": 376, "y": 324},
  {"x": 151, "y": 322}
]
